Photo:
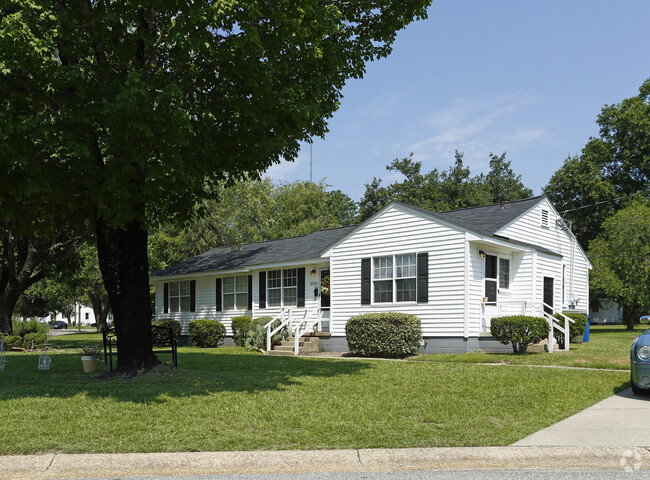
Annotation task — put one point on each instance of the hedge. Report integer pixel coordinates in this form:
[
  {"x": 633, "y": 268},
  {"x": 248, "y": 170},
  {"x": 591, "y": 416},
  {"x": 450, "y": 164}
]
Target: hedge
[
  {"x": 519, "y": 330},
  {"x": 206, "y": 333},
  {"x": 576, "y": 329},
  {"x": 160, "y": 338},
  {"x": 389, "y": 334},
  {"x": 240, "y": 327}
]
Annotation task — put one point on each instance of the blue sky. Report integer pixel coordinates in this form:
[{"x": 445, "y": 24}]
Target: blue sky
[{"x": 527, "y": 77}]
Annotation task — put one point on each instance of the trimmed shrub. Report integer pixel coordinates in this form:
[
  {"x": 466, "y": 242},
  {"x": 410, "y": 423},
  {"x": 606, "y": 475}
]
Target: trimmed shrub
[
  {"x": 31, "y": 326},
  {"x": 13, "y": 341},
  {"x": 256, "y": 337},
  {"x": 34, "y": 340},
  {"x": 519, "y": 330},
  {"x": 576, "y": 329},
  {"x": 240, "y": 327},
  {"x": 206, "y": 333},
  {"x": 389, "y": 334},
  {"x": 160, "y": 338}
]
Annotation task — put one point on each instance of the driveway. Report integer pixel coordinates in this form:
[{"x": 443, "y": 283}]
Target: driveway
[{"x": 622, "y": 420}]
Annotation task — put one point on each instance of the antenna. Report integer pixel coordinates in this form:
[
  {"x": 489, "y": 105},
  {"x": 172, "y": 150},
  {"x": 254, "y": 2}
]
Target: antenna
[{"x": 310, "y": 162}]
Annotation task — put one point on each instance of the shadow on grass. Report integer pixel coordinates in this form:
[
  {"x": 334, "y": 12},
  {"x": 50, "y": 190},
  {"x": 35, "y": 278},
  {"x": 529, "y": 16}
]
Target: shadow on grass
[{"x": 198, "y": 374}]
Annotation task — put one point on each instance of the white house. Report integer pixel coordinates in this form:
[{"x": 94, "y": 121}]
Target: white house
[{"x": 455, "y": 270}]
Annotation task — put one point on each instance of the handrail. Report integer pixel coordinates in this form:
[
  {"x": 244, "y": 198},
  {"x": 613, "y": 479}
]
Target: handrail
[
  {"x": 283, "y": 323},
  {"x": 309, "y": 327}
]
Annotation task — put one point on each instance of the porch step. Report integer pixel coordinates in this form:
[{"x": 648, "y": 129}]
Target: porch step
[{"x": 307, "y": 344}]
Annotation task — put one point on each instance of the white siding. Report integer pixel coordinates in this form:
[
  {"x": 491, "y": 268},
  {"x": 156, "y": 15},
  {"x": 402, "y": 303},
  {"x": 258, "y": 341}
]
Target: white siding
[
  {"x": 206, "y": 306},
  {"x": 399, "y": 230},
  {"x": 528, "y": 228}
]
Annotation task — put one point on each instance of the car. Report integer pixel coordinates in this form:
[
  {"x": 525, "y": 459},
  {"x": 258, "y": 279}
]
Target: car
[
  {"x": 59, "y": 324},
  {"x": 640, "y": 364}
]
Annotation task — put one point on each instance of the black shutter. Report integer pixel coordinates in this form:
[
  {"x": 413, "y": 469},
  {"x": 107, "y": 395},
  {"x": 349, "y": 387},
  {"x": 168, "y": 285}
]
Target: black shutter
[
  {"x": 218, "y": 294},
  {"x": 262, "y": 287},
  {"x": 301, "y": 288},
  {"x": 166, "y": 298},
  {"x": 423, "y": 278},
  {"x": 365, "y": 281},
  {"x": 250, "y": 292},
  {"x": 192, "y": 295}
]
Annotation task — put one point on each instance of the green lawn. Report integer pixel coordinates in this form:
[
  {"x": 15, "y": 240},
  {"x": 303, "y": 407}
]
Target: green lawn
[
  {"x": 231, "y": 399},
  {"x": 608, "y": 347}
]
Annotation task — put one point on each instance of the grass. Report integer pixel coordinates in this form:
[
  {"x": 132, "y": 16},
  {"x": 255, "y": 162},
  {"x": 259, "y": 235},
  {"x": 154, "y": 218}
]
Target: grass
[
  {"x": 608, "y": 348},
  {"x": 232, "y": 399}
]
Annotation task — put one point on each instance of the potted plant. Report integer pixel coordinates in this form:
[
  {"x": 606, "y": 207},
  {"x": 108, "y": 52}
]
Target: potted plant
[{"x": 90, "y": 355}]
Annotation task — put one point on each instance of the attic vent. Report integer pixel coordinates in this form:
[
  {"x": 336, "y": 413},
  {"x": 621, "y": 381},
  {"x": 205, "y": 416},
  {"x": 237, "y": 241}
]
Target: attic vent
[{"x": 545, "y": 218}]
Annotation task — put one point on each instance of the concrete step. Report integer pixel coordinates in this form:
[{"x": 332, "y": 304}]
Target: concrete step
[{"x": 307, "y": 344}]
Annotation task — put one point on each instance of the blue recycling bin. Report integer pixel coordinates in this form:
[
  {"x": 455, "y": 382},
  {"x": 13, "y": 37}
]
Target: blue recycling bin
[{"x": 585, "y": 337}]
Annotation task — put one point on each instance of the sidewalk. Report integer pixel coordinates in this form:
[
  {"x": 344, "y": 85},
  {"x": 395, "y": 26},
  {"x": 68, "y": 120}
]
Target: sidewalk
[
  {"x": 611, "y": 435},
  {"x": 621, "y": 420}
]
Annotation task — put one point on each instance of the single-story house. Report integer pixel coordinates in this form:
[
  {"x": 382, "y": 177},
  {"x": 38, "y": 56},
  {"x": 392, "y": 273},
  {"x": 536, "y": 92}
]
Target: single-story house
[{"x": 455, "y": 270}]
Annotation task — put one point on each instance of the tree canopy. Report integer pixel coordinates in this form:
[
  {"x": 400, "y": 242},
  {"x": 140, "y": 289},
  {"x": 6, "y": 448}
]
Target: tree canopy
[
  {"x": 592, "y": 186},
  {"x": 621, "y": 259},
  {"x": 447, "y": 190},
  {"x": 115, "y": 116}
]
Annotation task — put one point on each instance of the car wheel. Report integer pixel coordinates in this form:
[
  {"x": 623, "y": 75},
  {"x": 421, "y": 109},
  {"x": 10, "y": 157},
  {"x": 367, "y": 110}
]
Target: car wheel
[{"x": 636, "y": 390}]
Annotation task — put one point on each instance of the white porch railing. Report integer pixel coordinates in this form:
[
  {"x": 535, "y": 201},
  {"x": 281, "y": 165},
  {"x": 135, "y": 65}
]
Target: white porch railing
[
  {"x": 284, "y": 322},
  {"x": 304, "y": 326},
  {"x": 500, "y": 309},
  {"x": 298, "y": 327}
]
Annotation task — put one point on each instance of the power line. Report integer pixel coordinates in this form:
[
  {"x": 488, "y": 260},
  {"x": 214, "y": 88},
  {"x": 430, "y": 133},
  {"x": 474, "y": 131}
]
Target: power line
[{"x": 602, "y": 202}]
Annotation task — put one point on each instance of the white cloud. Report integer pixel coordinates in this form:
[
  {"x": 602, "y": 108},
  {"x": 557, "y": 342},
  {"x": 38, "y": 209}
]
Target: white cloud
[
  {"x": 287, "y": 171},
  {"x": 475, "y": 128}
]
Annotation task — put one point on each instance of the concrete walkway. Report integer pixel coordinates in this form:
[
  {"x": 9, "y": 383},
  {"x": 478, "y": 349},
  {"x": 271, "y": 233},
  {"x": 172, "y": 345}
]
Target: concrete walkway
[
  {"x": 622, "y": 420},
  {"x": 612, "y": 435}
]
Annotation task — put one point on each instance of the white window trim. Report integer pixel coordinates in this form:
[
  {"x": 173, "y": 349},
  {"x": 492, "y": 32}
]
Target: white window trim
[
  {"x": 281, "y": 288},
  {"x": 179, "y": 297},
  {"x": 499, "y": 256},
  {"x": 393, "y": 279},
  {"x": 234, "y": 293}
]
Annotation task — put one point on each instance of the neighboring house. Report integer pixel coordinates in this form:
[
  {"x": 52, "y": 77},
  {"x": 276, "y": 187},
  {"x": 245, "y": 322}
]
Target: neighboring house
[
  {"x": 455, "y": 270},
  {"x": 86, "y": 313},
  {"x": 608, "y": 312}
]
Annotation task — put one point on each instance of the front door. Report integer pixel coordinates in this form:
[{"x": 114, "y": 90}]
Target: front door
[
  {"x": 325, "y": 299},
  {"x": 548, "y": 295},
  {"x": 491, "y": 289}
]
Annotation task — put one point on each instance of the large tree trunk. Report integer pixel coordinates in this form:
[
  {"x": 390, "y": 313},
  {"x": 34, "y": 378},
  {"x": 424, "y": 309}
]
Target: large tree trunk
[
  {"x": 8, "y": 301},
  {"x": 122, "y": 254},
  {"x": 632, "y": 315}
]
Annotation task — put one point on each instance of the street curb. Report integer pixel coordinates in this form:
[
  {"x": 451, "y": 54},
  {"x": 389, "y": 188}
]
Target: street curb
[{"x": 68, "y": 466}]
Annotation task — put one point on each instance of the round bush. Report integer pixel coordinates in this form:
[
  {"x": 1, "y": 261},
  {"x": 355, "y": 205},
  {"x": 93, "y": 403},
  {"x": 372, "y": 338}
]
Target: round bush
[
  {"x": 160, "y": 338},
  {"x": 206, "y": 333},
  {"x": 389, "y": 334},
  {"x": 519, "y": 330},
  {"x": 240, "y": 327},
  {"x": 576, "y": 329},
  {"x": 13, "y": 341}
]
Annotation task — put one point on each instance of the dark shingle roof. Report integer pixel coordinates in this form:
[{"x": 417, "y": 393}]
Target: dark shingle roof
[
  {"x": 490, "y": 218},
  {"x": 486, "y": 220},
  {"x": 274, "y": 251}
]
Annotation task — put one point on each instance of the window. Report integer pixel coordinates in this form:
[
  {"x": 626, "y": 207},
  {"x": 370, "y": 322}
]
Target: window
[
  {"x": 504, "y": 273},
  {"x": 395, "y": 278},
  {"x": 179, "y": 296},
  {"x": 282, "y": 287},
  {"x": 235, "y": 293}
]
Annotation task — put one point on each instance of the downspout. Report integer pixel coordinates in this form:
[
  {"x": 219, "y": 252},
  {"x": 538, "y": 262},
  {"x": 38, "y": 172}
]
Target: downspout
[{"x": 466, "y": 293}]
